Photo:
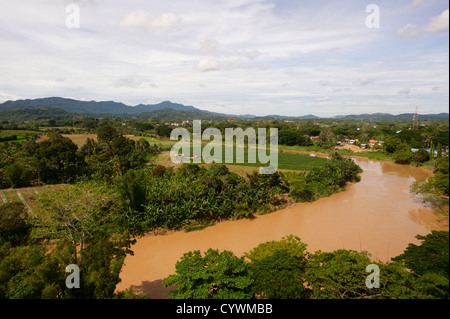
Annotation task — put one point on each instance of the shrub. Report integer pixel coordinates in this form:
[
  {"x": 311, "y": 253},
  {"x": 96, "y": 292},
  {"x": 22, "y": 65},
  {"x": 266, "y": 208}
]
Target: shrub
[
  {"x": 13, "y": 227},
  {"x": 421, "y": 156},
  {"x": 403, "y": 157},
  {"x": 216, "y": 275}
]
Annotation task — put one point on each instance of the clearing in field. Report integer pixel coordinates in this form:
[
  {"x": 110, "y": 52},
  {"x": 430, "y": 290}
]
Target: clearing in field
[{"x": 78, "y": 139}]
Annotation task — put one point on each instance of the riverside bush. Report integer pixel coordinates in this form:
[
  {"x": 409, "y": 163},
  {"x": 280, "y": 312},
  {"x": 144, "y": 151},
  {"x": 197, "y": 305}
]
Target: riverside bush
[{"x": 324, "y": 181}]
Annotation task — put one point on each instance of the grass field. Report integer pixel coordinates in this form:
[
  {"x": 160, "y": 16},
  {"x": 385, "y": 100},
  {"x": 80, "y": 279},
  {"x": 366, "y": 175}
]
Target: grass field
[
  {"x": 78, "y": 139},
  {"x": 286, "y": 161},
  {"x": 20, "y": 135},
  {"x": 166, "y": 143},
  {"x": 16, "y": 132},
  {"x": 369, "y": 154},
  {"x": 313, "y": 148}
]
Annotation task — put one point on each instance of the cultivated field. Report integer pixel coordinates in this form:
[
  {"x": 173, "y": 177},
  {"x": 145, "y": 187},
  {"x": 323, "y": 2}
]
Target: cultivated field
[
  {"x": 28, "y": 196},
  {"x": 78, "y": 139}
]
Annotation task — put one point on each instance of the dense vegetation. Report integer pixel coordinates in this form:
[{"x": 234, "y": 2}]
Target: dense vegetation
[
  {"x": 436, "y": 189},
  {"x": 167, "y": 199},
  {"x": 285, "y": 270},
  {"x": 111, "y": 194},
  {"x": 79, "y": 226},
  {"x": 323, "y": 181},
  {"x": 58, "y": 159}
]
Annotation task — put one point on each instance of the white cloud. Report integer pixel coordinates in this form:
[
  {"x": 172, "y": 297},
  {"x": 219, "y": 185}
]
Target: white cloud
[
  {"x": 134, "y": 82},
  {"x": 251, "y": 55},
  {"x": 214, "y": 64},
  {"x": 258, "y": 56},
  {"x": 140, "y": 20},
  {"x": 365, "y": 81},
  {"x": 438, "y": 23},
  {"x": 209, "y": 45},
  {"x": 338, "y": 90},
  {"x": 417, "y": 3},
  {"x": 404, "y": 91},
  {"x": 8, "y": 97},
  {"x": 206, "y": 65},
  {"x": 322, "y": 99},
  {"x": 409, "y": 30}
]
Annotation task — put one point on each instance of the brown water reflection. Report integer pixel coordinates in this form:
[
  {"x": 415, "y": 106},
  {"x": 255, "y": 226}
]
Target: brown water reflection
[{"x": 378, "y": 215}]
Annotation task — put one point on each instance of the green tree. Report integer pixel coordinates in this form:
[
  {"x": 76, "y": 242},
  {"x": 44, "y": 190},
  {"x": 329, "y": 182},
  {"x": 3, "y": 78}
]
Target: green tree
[
  {"x": 76, "y": 214},
  {"x": 18, "y": 277},
  {"x": 439, "y": 150},
  {"x": 106, "y": 133},
  {"x": 327, "y": 139},
  {"x": 58, "y": 159},
  {"x": 212, "y": 276},
  {"x": 436, "y": 189},
  {"x": 291, "y": 244},
  {"x": 279, "y": 276},
  {"x": 441, "y": 165},
  {"x": 103, "y": 259},
  {"x": 278, "y": 269},
  {"x": 403, "y": 156},
  {"x": 392, "y": 144},
  {"x": 142, "y": 145},
  {"x": 421, "y": 156},
  {"x": 13, "y": 227},
  {"x": 163, "y": 130},
  {"x": 132, "y": 190},
  {"x": 300, "y": 191},
  {"x": 85, "y": 219},
  {"x": 16, "y": 175},
  {"x": 431, "y": 256},
  {"x": 144, "y": 127},
  {"x": 158, "y": 170},
  {"x": 340, "y": 274},
  {"x": 292, "y": 137},
  {"x": 432, "y": 150},
  {"x": 91, "y": 147}
]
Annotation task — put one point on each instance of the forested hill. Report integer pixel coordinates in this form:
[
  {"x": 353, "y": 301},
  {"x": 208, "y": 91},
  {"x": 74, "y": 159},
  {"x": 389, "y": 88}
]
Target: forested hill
[
  {"x": 92, "y": 107},
  {"x": 61, "y": 108},
  {"x": 390, "y": 117}
]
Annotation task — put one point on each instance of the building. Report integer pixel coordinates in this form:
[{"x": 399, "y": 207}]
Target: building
[{"x": 372, "y": 143}]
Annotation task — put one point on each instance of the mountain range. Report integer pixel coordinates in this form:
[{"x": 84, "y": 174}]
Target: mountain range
[
  {"x": 91, "y": 107},
  {"x": 57, "y": 107}
]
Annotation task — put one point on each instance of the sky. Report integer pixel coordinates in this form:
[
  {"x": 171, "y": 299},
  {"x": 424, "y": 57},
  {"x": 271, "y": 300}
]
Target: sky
[{"x": 260, "y": 57}]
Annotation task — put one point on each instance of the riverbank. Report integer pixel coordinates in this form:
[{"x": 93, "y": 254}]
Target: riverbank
[{"x": 378, "y": 215}]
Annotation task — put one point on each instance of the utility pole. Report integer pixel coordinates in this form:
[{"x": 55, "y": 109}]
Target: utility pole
[{"x": 416, "y": 121}]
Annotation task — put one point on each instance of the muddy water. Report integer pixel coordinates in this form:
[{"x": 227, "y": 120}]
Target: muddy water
[{"x": 377, "y": 214}]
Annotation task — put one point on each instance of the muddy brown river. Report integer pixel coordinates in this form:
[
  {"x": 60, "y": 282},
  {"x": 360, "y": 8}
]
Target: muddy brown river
[{"x": 378, "y": 215}]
